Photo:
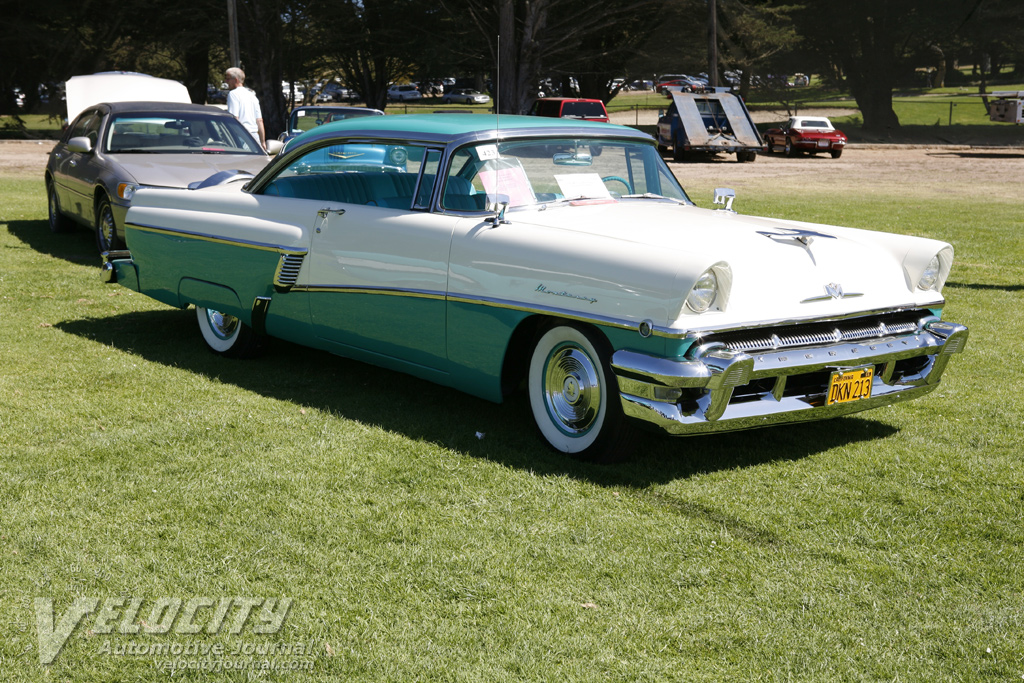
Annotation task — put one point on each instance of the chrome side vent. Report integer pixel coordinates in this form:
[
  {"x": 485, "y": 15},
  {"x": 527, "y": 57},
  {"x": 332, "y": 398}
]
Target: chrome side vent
[{"x": 288, "y": 270}]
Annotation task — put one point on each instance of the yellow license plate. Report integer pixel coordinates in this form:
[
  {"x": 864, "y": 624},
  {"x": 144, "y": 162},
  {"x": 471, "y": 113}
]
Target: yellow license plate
[{"x": 850, "y": 385}]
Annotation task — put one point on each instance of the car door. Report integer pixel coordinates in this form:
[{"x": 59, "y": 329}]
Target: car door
[
  {"x": 378, "y": 261},
  {"x": 74, "y": 172}
]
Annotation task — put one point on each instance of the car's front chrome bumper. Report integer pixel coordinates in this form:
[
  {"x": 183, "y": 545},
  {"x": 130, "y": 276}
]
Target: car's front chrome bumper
[{"x": 720, "y": 389}]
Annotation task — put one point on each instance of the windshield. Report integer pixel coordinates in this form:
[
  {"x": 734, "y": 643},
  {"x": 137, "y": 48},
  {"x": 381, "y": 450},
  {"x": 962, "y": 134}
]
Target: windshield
[
  {"x": 526, "y": 173},
  {"x": 163, "y": 133}
]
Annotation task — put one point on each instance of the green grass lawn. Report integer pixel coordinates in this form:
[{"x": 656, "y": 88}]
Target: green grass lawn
[{"x": 427, "y": 536}]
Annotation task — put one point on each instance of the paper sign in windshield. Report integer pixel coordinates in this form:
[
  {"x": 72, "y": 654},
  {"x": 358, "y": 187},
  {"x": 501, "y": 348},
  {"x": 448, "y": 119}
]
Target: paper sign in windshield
[
  {"x": 582, "y": 186},
  {"x": 507, "y": 177}
]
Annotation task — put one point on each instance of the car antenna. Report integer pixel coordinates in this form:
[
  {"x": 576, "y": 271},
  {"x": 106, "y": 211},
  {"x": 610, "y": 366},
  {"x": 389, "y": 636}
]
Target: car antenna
[{"x": 499, "y": 208}]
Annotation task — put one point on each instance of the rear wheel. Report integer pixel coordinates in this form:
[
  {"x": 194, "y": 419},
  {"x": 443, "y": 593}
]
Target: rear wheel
[
  {"x": 573, "y": 395},
  {"x": 106, "y": 228},
  {"x": 771, "y": 146},
  {"x": 746, "y": 155},
  {"x": 678, "y": 153},
  {"x": 58, "y": 221},
  {"x": 227, "y": 335}
]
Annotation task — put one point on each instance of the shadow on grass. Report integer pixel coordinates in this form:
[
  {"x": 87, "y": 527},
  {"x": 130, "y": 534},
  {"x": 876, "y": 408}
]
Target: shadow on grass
[
  {"x": 76, "y": 246},
  {"x": 424, "y": 411},
  {"x": 983, "y": 287}
]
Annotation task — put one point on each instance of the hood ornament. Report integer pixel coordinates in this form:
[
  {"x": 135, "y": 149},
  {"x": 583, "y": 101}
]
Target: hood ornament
[
  {"x": 833, "y": 290},
  {"x": 804, "y": 237}
]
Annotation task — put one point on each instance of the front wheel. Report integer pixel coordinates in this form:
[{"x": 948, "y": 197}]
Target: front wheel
[
  {"x": 227, "y": 335},
  {"x": 836, "y": 153},
  {"x": 574, "y": 397},
  {"x": 790, "y": 150},
  {"x": 106, "y": 228}
]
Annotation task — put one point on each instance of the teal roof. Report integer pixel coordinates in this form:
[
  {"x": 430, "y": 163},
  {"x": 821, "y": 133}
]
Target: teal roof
[{"x": 461, "y": 124}]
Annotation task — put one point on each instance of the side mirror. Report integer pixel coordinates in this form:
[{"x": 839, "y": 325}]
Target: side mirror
[
  {"x": 274, "y": 147},
  {"x": 80, "y": 144}
]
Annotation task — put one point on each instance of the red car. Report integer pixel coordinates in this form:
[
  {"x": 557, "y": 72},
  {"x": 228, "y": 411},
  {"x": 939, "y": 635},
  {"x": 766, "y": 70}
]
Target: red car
[
  {"x": 570, "y": 107},
  {"x": 811, "y": 134}
]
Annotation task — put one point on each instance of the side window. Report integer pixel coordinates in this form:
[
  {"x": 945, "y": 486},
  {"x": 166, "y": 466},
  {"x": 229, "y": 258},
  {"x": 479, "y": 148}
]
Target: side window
[
  {"x": 372, "y": 174},
  {"x": 88, "y": 126},
  {"x": 428, "y": 178}
]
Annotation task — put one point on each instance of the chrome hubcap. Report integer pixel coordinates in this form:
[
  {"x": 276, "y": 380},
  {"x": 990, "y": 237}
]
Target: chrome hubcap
[
  {"x": 572, "y": 389},
  {"x": 107, "y": 227},
  {"x": 222, "y": 325}
]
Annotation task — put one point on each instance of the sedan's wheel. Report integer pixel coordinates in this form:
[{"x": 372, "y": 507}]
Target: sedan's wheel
[
  {"x": 227, "y": 335},
  {"x": 770, "y": 145},
  {"x": 573, "y": 395},
  {"x": 836, "y": 153},
  {"x": 106, "y": 228},
  {"x": 58, "y": 221},
  {"x": 789, "y": 150}
]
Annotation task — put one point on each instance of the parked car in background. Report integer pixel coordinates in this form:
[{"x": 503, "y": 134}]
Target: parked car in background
[
  {"x": 708, "y": 123},
  {"x": 571, "y": 108},
  {"x": 112, "y": 149},
  {"x": 404, "y": 93},
  {"x": 806, "y": 134},
  {"x": 309, "y": 117},
  {"x": 465, "y": 96},
  {"x": 679, "y": 82},
  {"x": 554, "y": 255}
]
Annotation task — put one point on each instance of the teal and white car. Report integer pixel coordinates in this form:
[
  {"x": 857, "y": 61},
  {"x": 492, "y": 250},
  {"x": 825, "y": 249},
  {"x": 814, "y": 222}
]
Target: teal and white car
[{"x": 556, "y": 256}]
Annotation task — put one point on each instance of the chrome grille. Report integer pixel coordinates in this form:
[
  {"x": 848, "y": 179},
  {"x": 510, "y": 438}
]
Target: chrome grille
[{"x": 813, "y": 334}]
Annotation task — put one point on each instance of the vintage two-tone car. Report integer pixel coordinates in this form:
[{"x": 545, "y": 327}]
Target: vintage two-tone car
[{"x": 557, "y": 256}]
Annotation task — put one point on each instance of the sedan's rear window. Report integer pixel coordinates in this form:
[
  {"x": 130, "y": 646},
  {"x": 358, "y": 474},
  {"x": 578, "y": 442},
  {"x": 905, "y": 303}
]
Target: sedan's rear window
[{"x": 592, "y": 110}]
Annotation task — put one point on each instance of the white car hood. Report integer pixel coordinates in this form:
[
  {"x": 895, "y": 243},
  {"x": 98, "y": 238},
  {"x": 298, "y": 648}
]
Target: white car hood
[{"x": 774, "y": 275}]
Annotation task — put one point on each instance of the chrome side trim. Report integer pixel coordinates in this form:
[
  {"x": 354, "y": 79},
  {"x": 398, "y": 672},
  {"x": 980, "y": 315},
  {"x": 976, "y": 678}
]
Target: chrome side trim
[
  {"x": 217, "y": 240},
  {"x": 381, "y": 291}
]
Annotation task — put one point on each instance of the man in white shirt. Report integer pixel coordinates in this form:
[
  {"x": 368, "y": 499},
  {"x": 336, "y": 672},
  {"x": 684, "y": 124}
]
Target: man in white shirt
[{"x": 243, "y": 103}]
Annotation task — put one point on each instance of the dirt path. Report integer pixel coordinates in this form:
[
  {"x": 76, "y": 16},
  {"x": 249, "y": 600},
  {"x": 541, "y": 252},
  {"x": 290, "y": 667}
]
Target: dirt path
[{"x": 996, "y": 173}]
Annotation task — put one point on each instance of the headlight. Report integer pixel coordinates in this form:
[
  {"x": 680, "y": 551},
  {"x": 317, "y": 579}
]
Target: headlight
[
  {"x": 126, "y": 191},
  {"x": 703, "y": 293},
  {"x": 399, "y": 156},
  {"x": 931, "y": 274}
]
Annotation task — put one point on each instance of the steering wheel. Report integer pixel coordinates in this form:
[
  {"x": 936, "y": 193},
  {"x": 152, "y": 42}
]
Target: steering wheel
[{"x": 629, "y": 187}]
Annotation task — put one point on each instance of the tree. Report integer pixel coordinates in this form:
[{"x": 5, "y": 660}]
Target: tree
[
  {"x": 752, "y": 35},
  {"x": 372, "y": 43},
  {"x": 870, "y": 46},
  {"x": 533, "y": 39}
]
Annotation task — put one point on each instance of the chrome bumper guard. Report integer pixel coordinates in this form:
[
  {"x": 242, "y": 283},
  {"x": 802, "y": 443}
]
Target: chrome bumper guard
[
  {"x": 697, "y": 395},
  {"x": 119, "y": 268}
]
